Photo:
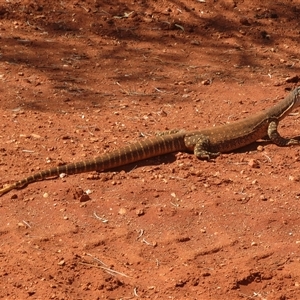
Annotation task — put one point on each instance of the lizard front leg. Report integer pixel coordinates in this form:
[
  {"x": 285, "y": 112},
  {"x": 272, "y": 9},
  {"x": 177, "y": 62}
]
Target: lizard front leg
[{"x": 276, "y": 138}]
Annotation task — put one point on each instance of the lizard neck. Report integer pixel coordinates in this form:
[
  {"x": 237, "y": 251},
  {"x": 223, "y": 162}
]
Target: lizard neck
[{"x": 284, "y": 107}]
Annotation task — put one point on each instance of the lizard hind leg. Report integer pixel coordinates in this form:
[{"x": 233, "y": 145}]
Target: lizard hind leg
[{"x": 202, "y": 148}]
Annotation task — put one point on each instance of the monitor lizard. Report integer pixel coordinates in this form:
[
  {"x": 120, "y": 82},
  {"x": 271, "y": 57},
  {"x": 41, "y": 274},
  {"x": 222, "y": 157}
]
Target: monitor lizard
[{"x": 205, "y": 144}]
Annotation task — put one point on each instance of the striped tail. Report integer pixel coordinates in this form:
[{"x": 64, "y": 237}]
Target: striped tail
[{"x": 135, "y": 152}]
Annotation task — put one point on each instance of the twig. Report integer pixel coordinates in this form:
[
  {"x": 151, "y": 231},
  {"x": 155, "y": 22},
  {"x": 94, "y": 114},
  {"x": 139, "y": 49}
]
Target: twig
[
  {"x": 141, "y": 233},
  {"x": 97, "y": 259},
  {"x": 268, "y": 157},
  {"x": 108, "y": 270},
  {"x": 26, "y": 223},
  {"x": 179, "y": 26},
  {"x": 126, "y": 15},
  {"x": 99, "y": 218},
  {"x": 147, "y": 243}
]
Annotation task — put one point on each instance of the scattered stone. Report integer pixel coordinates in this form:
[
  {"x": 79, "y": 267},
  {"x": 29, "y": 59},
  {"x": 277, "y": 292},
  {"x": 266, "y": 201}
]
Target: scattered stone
[
  {"x": 195, "y": 42},
  {"x": 94, "y": 140},
  {"x": 206, "y": 82},
  {"x": 244, "y": 200},
  {"x": 193, "y": 188},
  {"x": 88, "y": 191},
  {"x": 66, "y": 137},
  {"x": 122, "y": 211},
  {"x": 36, "y": 136},
  {"x": 78, "y": 193},
  {"x": 183, "y": 239},
  {"x": 96, "y": 176},
  {"x": 253, "y": 163},
  {"x": 180, "y": 283},
  {"x": 260, "y": 148},
  {"x": 263, "y": 197},
  {"x": 85, "y": 197},
  {"x": 140, "y": 212},
  {"x": 244, "y": 21},
  {"x": 61, "y": 263},
  {"x": 31, "y": 293},
  {"x": 291, "y": 178}
]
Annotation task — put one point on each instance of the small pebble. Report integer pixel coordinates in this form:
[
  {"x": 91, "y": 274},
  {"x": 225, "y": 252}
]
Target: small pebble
[
  {"x": 122, "y": 211},
  {"x": 84, "y": 198},
  {"x": 140, "y": 212},
  {"x": 245, "y": 21},
  {"x": 206, "y": 82},
  {"x": 61, "y": 263},
  {"x": 263, "y": 197},
  {"x": 260, "y": 148},
  {"x": 253, "y": 163},
  {"x": 195, "y": 42}
]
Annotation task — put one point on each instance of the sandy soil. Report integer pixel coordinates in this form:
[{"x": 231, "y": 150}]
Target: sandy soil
[{"x": 80, "y": 78}]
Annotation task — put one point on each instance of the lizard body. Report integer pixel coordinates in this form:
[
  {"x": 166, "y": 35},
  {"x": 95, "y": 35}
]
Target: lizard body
[{"x": 205, "y": 143}]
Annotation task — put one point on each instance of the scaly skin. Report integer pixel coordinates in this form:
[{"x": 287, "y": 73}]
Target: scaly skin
[{"x": 205, "y": 144}]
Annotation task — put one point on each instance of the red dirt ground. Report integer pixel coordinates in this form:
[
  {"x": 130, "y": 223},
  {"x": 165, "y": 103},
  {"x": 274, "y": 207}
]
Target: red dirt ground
[{"x": 79, "y": 78}]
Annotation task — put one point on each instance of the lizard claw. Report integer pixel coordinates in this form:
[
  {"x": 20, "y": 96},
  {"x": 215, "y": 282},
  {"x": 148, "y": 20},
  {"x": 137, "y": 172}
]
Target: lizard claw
[{"x": 292, "y": 142}]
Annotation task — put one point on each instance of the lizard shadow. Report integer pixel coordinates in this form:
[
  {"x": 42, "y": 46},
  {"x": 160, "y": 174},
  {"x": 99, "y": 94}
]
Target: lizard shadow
[
  {"x": 153, "y": 161},
  {"x": 262, "y": 142}
]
